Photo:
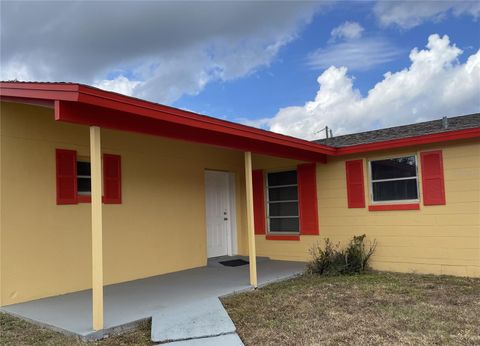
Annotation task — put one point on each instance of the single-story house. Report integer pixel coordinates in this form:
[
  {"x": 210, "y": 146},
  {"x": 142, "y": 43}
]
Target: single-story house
[{"x": 100, "y": 188}]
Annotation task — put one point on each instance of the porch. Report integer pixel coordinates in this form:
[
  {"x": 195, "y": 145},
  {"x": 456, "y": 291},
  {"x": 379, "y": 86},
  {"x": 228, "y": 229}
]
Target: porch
[{"x": 125, "y": 304}]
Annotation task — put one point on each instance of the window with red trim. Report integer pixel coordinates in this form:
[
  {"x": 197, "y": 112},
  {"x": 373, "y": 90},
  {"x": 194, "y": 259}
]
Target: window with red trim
[
  {"x": 74, "y": 178},
  {"x": 394, "y": 179},
  {"x": 282, "y": 202}
]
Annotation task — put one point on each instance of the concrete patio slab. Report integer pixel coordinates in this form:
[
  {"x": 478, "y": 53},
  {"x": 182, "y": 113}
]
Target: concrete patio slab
[
  {"x": 222, "y": 340},
  {"x": 205, "y": 318},
  {"x": 127, "y": 303}
]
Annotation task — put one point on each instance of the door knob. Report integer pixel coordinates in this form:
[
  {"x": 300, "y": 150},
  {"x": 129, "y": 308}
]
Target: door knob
[{"x": 225, "y": 219}]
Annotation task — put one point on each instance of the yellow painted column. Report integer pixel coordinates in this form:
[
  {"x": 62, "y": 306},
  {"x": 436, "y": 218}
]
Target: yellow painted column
[
  {"x": 250, "y": 225},
  {"x": 97, "y": 238}
]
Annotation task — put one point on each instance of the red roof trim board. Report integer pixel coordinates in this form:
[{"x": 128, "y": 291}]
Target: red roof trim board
[
  {"x": 405, "y": 142},
  {"x": 111, "y": 110}
]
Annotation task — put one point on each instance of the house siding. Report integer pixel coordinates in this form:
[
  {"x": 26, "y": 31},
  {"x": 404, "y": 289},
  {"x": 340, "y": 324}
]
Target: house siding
[
  {"x": 443, "y": 239},
  {"x": 158, "y": 228},
  {"x": 45, "y": 248}
]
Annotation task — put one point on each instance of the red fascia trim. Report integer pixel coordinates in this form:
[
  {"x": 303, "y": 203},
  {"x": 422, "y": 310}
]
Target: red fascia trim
[
  {"x": 144, "y": 109},
  {"x": 141, "y": 107},
  {"x": 282, "y": 237},
  {"x": 86, "y": 95},
  {"x": 108, "y": 118},
  {"x": 45, "y": 91},
  {"x": 406, "y": 142},
  {"x": 385, "y": 207}
]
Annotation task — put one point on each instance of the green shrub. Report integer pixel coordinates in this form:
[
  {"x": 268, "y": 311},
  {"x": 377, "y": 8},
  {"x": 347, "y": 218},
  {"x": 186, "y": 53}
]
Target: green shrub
[{"x": 332, "y": 260}]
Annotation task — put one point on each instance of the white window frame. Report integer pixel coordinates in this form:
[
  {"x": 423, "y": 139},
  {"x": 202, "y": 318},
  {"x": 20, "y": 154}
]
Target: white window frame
[
  {"x": 394, "y": 201},
  {"x": 267, "y": 187}
]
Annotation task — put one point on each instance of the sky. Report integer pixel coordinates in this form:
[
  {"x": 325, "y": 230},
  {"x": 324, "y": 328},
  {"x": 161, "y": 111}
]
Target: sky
[{"x": 289, "y": 67}]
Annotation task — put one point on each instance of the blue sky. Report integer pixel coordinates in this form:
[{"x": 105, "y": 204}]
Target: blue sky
[
  {"x": 289, "y": 81},
  {"x": 290, "y": 67}
]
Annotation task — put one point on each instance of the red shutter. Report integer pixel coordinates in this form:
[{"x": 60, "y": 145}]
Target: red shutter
[
  {"x": 307, "y": 198},
  {"x": 112, "y": 179},
  {"x": 433, "y": 186},
  {"x": 66, "y": 176},
  {"x": 259, "y": 216},
  {"x": 355, "y": 187}
]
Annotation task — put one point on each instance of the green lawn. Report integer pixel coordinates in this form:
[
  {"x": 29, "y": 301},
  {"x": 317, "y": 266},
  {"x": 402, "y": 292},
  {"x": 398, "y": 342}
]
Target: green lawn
[{"x": 370, "y": 309}]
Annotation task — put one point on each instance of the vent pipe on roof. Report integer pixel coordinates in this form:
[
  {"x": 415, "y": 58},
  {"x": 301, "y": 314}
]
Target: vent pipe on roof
[
  {"x": 328, "y": 132},
  {"x": 445, "y": 122}
]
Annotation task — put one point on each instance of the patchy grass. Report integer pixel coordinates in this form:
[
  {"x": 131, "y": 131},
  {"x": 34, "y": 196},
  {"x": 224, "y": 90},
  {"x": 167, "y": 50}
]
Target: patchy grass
[
  {"x": 370, "y": 309},
  {"x": 17, "y": 332}
]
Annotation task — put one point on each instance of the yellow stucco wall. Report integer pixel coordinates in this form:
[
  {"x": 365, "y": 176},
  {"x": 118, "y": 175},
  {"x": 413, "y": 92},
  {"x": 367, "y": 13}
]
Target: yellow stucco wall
[
  {"x": 160, "y": 225},
  {"x": 435, "y": 239},
  {"x": 158, "y": 228}
]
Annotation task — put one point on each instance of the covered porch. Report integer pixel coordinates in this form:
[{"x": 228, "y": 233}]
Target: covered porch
[
  {"x": 164, "y": 192},
  {"x": 125, "y": 304}
]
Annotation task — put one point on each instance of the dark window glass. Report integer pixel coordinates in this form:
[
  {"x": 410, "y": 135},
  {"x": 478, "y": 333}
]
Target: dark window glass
[
  {"x": 282, "y": 178},
  {"x": 84, "y": 183},
  {"x": 401, "y": 167},
  {"x": 284, "y": 225},
  {"x": 83, "y": 168},
  {"x": 283, "y": 215},
  {"x": 395, "y": 190},
  {"x": 283, "y": 193},
  {"x": 283, "y": 209}
]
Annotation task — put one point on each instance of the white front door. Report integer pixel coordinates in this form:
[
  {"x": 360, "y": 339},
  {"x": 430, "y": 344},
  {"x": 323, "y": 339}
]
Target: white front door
[{"x": 217, "y": 198}]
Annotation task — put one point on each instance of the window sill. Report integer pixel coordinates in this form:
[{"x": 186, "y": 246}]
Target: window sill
[
  {"x": 386, "y": 207},
  {"x": 282, "y": 237},
  {"x": 88, "y": 199},
  {"x": 84, "y": 199}
]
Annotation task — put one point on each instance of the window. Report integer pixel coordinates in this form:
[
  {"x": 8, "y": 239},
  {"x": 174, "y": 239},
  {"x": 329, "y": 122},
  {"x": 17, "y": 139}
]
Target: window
[
  {"x": 394, "y": 179},
  {"x": 84, "y": 179},
  {"x": 282, "y": 202}
]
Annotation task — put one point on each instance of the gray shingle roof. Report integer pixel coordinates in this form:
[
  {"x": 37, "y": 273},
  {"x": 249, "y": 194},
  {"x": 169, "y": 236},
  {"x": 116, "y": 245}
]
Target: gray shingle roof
[{"x": 406, "y": 131}]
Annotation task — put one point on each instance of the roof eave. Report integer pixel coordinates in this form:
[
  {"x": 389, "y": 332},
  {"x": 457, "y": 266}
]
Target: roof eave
[{"x": 410, "y": 141}]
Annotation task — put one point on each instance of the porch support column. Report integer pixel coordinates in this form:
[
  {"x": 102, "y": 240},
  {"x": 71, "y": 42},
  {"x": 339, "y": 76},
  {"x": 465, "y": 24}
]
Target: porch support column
[
  {"x": 97, "y": 247},
  {"x": 250, "y": 225}
]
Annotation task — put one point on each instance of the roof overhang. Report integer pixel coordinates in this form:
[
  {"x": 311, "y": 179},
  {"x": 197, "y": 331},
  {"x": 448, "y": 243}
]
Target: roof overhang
[
  {"x": 80, "y": 104},
  {"x": 85, "y": 105},
  {"x": 411, "y": 141}
]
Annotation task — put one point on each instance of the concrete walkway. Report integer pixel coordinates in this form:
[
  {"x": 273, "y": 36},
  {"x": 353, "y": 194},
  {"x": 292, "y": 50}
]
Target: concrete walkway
[
  {"x": 125, "y": 304},
  {"x": 205, "y": 321}
]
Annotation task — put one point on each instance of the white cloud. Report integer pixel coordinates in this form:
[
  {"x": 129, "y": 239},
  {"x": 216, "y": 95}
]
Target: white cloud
[
  {"x": 120, "y": 84},
  {"x": 347, "y": 30},
  {"x": 361, "y": 54},
  {"x": 408, "y": 14},
  {"x": 434, "y": 85},
  {"x": 174, "y": 48}
]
